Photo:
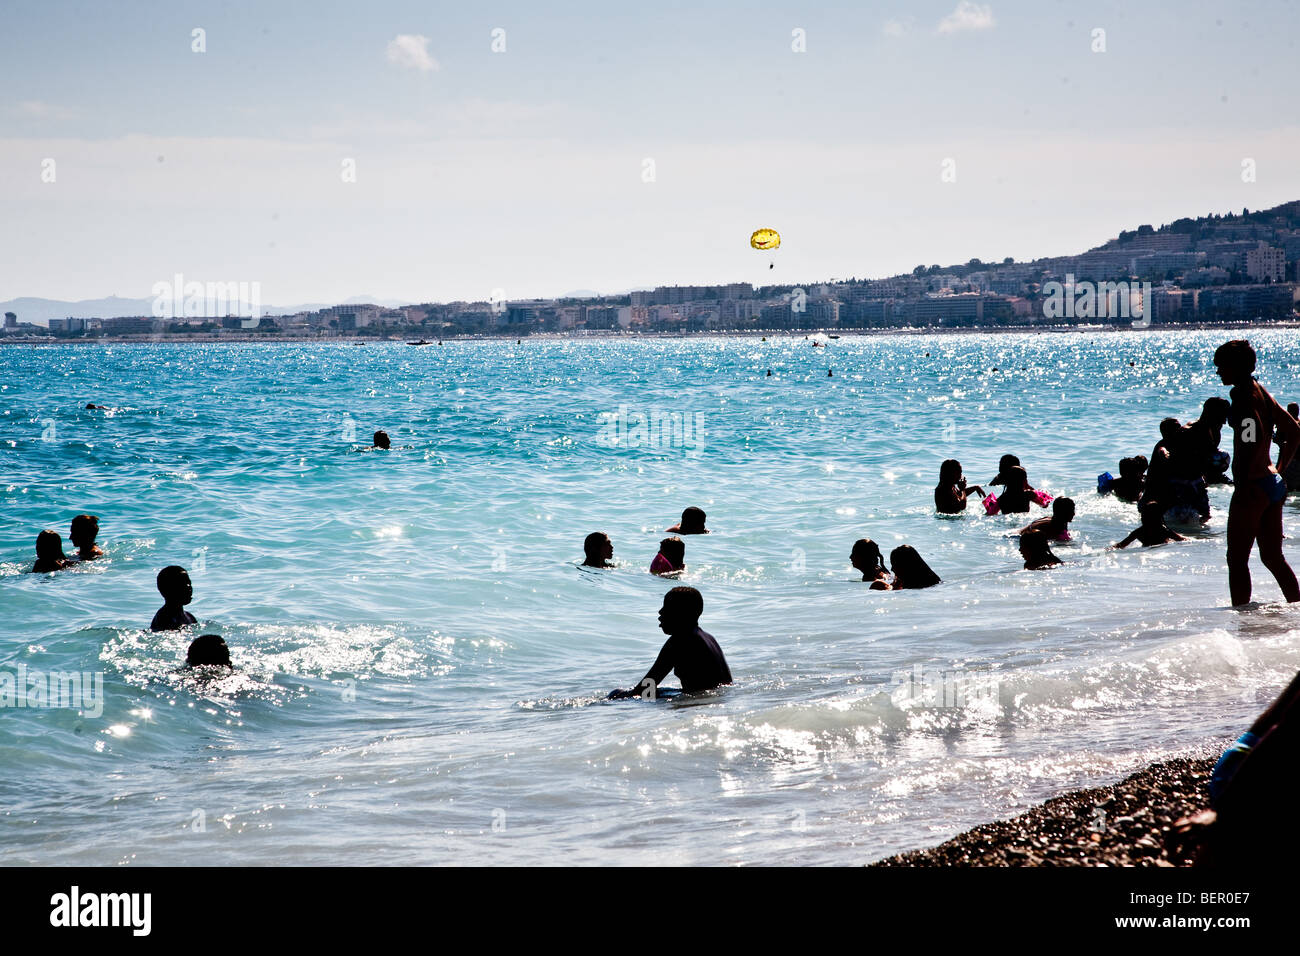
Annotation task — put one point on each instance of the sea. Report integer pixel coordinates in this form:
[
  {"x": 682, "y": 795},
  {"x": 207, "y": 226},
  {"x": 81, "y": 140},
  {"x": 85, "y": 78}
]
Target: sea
[{"x": 421, "y": 663}]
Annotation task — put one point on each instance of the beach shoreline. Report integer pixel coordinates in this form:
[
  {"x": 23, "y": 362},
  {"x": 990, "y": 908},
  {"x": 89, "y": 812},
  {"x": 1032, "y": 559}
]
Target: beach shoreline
[{"x": 1129, "y": 823}]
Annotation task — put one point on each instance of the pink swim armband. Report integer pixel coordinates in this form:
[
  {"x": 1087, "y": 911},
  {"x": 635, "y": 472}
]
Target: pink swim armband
[
  {"x": 990, "y": 504},
  {"x": 1042, "y": 497}
]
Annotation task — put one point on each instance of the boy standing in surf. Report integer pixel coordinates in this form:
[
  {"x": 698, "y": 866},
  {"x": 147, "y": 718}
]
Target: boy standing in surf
[{"x": 1255, "y": 513}]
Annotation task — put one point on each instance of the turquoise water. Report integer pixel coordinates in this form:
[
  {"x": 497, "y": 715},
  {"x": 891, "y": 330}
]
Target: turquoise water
[{"x": 421, "y": 664}]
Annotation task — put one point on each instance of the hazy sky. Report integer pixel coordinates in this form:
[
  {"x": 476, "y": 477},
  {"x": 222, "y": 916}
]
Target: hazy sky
[{"x": 525, "y": 170}]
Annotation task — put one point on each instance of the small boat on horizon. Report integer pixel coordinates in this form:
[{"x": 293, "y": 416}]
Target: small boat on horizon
[{"x": 421, "y": 342}]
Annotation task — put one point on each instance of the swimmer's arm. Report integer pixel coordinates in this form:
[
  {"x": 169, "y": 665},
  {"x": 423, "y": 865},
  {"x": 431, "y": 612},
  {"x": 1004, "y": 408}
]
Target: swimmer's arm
[
  {"x": 1288, "y": 429},
  {"x": 1127, "y": 541}
]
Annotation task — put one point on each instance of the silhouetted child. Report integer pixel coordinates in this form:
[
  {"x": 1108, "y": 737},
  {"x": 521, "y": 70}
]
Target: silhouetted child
[
  {"x": 1153, "y": 529},
  {"x": 84, "y": 531},
  {"x": 1290, "y": 474},
  {"x": 866, "y": 558},
  {"x": 1016, "y": 496},
  {"x": 598, "y": 550},
  {"x": 1057, "y": 527},
  {"x": 692, "y": 523},
  {"x": 950, "y": 494},
  {"x": 689, "y": 650},
  {"x": 177, "y": 591},
  {"x": 1005, "y": 463},
  {"x": 208, "y": 650},
  {"x": 671, "y": 558},
  {"x": 910, "y": 570},
  {"x": 381, "y": 440},
  {"x": 49, "y": 553},
  {"x": 1132, "y": 477},
  {"x": 1037, "y": 552}
]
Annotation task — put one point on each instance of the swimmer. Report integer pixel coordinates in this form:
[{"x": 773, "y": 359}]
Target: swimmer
[
  {"x": 208, "y": 650},
  {"x": 1036, "y": 552},
  {"x": 49, "y": 553},
  {"x": 92, "y": 407},
  {"x": 1255, "y": 512},
  {"x": 598, "y": 550},
  {"x": 1132, "y": 478},
  {"x": 1292, "y": 471},
  {"x": 381, "y": 440},
  {"x": 1204, "y": 436},
  {"x": 177, "y": 591},
  {"x": 671, "y": 558},
  {"x": 1017, "y": 494},
  {"x": 1153, "y": 530},
  {"x": 866, "y": 557},
  {"x": 692, "y": 523},
  {"x": 910, "y": 570},
  {"x": 84, "y": 531},
  {"x": 951, "y": 492},
  {"x": 1057, "y": 527},
  {"x": 1005, "y": 463},
  {"x": 689, "y": 650}
]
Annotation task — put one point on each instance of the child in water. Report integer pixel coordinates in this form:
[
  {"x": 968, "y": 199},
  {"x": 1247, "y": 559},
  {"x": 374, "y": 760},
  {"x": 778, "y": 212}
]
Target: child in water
[
  {"x": 84, "y": 531},
  {"x": 671, "y": 558},
  {"x": 1132, "y": 477},
  {"x": 866, "y": 557},
  {"x": 910, "y": 570},
  {"x": 1057, "y": 527},
  {"x": 177, "y": 591},
  {"x": 1153, "y": 529},
  {"x": 1005, "y": 464},
  {"x": 208, "y": 650},
  {"x": 49, "y": 553},
  {"x": 381, "y": 440},
  {"x": 1037, "y": 552},
  {"x": 1017, "y": 494},
  {"x": 598, "y": 550},
  {"x": 951, "y": 492},
  {"x": 690, "y": 650},
  {"x": 692, "y": 523}
]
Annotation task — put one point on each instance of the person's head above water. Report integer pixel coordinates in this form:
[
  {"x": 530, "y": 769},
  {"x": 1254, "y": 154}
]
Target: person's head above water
[
  {"x": 49, "y": 551},
  {"x": 1152, "y": 514},
  {"x": 381, "y": 440},
  {"x": 950, "y": 472},
  {"x": 1034, "y": 546},
  {"x": 1063, "y": 510},
  {"x": 681, "y": 612},
  {"x": 174, "y": 585},
  {"x": 1235, "y": 361},
  {"x": 1170, "y": 428},
  {"x": 1005, "y": 463},
  {"x": 910, "y": 569},
  {"x": 84, "y": 531},
  {"x": 207, "y": 650},
  {"x": 1017, "y": 479},
  {"x": 674, "y": 549},
  {"x": 1134, "y": 467},
  {"x": 598, "y": 549},
  {"x": 867, "y": 557},
  {"x": 692, "y": 522},
  {"x": 1293, "y": 409}
]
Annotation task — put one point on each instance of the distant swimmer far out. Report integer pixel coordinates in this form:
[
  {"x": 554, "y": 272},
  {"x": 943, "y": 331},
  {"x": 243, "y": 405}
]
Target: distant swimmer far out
[
  {"x": 598, "y": 550},
  {"x": 692, "y": 523},
  {"x": 910, "y": 570},
  {"x": 84, "y": 531},
  {"x": 1255, "y": 512},
  {"x": 952, "y": 491},
  {"x": 381, "y": 440},
  {"x": 690, "y": 651},
  {"x": 177, "y": 591},
  {"x": 671, "y": 558},
  {"x": 1036, "y": 551},
  {"x": 49, "y": 553},
  {"x": 867, "y": 558}
]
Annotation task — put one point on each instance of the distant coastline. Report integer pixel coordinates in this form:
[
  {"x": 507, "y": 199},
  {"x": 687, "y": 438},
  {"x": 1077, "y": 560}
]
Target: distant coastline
[{"x": 843, "y": 333}]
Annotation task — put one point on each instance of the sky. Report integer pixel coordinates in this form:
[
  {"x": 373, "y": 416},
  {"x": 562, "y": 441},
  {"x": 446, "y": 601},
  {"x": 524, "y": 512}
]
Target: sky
[{"x": 328, "y": 150}]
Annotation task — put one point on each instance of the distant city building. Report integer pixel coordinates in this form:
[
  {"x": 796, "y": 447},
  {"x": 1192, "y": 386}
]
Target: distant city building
[{"x": 1266, "y": 264}]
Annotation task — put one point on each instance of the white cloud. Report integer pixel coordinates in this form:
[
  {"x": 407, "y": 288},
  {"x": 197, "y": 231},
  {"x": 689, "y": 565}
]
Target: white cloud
[
  {"x": 967, "y": 16},
  {"x": 896, "y": 28},
  {"x": 411, "y": 50}
]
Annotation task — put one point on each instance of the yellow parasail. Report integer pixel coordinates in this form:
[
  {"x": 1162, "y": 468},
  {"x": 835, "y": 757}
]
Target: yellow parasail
[{"x": 765, "y": 239}]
